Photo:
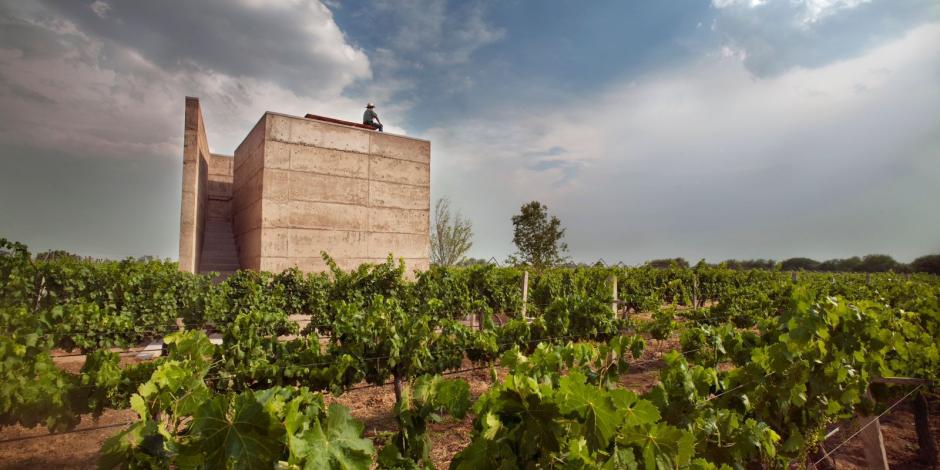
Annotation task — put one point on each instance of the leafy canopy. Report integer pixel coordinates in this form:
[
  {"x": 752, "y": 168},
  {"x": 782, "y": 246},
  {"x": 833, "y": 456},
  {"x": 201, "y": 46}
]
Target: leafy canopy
[{"x": 537, "y": 237}]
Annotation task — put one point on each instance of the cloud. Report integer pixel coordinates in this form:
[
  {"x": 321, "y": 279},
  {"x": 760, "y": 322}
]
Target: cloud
[
  {"x": 100, "y": 8},
  {"x": 73, "y": 81},
  {"x": 704, "y": 160},
  {"x": 424, "y": 50},
  {"x": 811, "y": 11},
  {"x": 774, "y": 36},
  {"x": 435, "y": 32},
  {"x": 819, "y": 9},
  {"x": 293, "y": 43}
]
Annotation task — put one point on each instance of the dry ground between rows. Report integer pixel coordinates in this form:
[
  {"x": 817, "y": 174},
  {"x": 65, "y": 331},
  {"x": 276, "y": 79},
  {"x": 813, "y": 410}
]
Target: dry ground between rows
[{"x": 373, "y": 407}]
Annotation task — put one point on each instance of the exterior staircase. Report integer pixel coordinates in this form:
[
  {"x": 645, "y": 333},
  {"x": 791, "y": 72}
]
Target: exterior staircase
[
  {"x": 219, "y": 252},
  {"x": 219, "y": 249}
]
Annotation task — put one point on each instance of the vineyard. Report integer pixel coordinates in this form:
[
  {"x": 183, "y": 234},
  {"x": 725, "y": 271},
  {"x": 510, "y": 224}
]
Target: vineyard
[{"x": 753, "y": 368}]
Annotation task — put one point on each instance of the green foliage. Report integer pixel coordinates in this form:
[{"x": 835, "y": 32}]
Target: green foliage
[
  {"x": 799, "y": 264},
  {"x": 450, "y": 286},
  {"x": 527, "y": 423},
  {"x": 878, "y": 264},
  {"x": 388, "y": 341},
  {"x": 736, "y": 264},
  {"x": 233, "y": 432},
  {"x": 537, "y": 237},
  {"x": 841, "y": 264},
  {"x": 367, "y": 281},
  {"x": 601, "y": 364},
  {"x": 32, "y": 389},
  {"x": 668, "y": 263},
  {"x": 778, "y": 361},
  {"x": 662, "y": 324},
  {"x": 326, "y": 440},
  {"x": 552, "y": 284},
  {"x": 500, "y": 289},
  {"x": 422, "y": 403},
  {"x": 182, "y": 423},
  {"x": 580, "y": 317},
  {"x": 926, "y": 264}
]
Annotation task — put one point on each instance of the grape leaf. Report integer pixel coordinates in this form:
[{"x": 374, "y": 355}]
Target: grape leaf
[
  {"x": 235, "y": 433},
  {"x": 336, "y": 445},
  {"x": 635, "y": 412},
  {"x": 592, "y": 404}
]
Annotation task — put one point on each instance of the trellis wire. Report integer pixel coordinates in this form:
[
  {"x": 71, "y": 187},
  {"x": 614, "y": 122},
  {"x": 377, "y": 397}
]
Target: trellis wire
[{"x": 827, "y": 454}]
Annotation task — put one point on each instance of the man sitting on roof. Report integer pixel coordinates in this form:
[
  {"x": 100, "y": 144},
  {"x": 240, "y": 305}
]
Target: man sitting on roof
[{"x": 371, "y": 118}]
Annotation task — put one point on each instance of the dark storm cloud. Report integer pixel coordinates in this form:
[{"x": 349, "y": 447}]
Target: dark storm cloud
[
  {"x": 32, "y": 41},
  {"x": 730, "y": 128},
  {"x": 289, "y": 43},
  {"x": 91, "y": 95}
]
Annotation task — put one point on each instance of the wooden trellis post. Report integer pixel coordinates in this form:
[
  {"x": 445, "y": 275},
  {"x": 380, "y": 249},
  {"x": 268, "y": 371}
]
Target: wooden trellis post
[
  {"x": 927, "y": 449},
  {"x": 612, "y": 280},
  {"x": 525, "y": 292},
  {"x": 872, "y": 442}
]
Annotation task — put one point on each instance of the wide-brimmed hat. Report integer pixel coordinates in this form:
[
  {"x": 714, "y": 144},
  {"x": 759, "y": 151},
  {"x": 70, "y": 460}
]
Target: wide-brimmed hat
[{"x": 370, "y": 105}]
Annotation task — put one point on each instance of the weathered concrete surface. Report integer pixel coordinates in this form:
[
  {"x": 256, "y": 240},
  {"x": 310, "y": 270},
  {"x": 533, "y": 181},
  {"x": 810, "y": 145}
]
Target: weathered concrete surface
[
  {"x": 401, "y": 196},
  {"x": 355, "y": 194},
  {"x": 328, "y": 161},
  {"x": 297, "y": 187},
  {"x": 326, "y": 188},
  {"x": 248, "y": 188},
  {"x": 393, "y": 220},
  {"x": 194, "y": 194},
  {"x": 392, "y": 170}
]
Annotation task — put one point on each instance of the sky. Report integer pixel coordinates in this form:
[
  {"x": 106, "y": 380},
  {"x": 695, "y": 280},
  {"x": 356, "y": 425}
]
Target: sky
[{"x": 708, "y": 129}]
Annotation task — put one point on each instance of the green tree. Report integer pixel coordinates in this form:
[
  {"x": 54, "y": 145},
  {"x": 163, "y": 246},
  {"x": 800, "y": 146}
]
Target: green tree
[
  {"x": 537, "y": 237},
  {"x": 473, "y": 262},
  {"x": 841, "y": 264},
  {"x": 56, "y": 255},
  {"x": 926, "y": 264},
  {"x": 450, "y": 235},
  {"x": 667, "y": 263},
  {"x": 799, "y": 264},
  {"x": 759, "y": 263},
  {"x": 878, "y": 264}
]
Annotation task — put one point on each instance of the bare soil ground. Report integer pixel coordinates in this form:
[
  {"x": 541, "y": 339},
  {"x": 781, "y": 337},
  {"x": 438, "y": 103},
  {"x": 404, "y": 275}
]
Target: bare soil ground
[
  {"x": 900, "y": 438},
  {"x": 22, "y": 448}
]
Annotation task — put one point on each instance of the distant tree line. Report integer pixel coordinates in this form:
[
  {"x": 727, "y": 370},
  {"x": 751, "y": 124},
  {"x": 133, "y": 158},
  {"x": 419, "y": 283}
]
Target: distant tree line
[
  {"x": 875, "y": 263},
  {"x": 57, "y": 255},
  {"x": 538, "y": 237}
]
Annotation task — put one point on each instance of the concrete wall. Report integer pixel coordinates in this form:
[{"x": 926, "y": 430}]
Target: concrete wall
[
  {"x": 219, "y": 186},
  {"x": 248, "y": 172},
  {"x": 195, "y": 195},
  {"x": 303, "y": 186}
]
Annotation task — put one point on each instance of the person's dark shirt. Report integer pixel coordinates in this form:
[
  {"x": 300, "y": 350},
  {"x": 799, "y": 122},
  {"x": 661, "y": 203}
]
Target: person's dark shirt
[{"x": 369, "y": 116}]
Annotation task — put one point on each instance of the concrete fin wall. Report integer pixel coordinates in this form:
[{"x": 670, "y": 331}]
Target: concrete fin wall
[
  {"x": 206, "y": 242},
  {"x": 195, "y": 181}
]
